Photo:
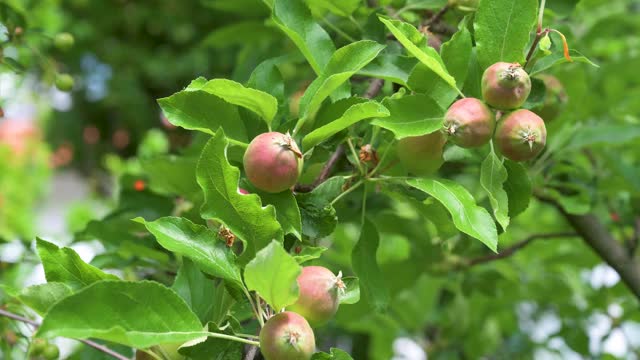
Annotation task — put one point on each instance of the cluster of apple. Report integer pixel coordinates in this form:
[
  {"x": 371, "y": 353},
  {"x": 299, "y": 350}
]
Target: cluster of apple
[{"x": 519, "y": 134}]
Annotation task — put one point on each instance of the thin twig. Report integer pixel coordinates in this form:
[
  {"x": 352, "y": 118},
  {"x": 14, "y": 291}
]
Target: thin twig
[
  {"x": 372, "y": 91},
  {"x": 438, "y": 16},
  {"x": 13, "y": 316},
  {"x": 94, "y": 345},
  {"x": 324, "y": 173},
  {"x": 251, "y": 353},
  {"x": 517, "y": 246},
  {"x": 534, "y": 45},
  {"x": 374, "y": 88}
]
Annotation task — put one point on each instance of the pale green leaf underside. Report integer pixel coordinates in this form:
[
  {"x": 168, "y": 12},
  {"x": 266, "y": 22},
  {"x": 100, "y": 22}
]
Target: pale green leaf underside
[{"x": 272, "y": 274}]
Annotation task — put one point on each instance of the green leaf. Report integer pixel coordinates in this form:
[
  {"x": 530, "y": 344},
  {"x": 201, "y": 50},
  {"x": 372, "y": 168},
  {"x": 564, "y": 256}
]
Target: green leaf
[
  {"x": 351, "y": 294},
  {"x": 196, "y": 289},
  {"x": 558, "y": 58},
  {"x": 212, "y": 348},
  {"x": 390, "y": 67},
  {"x": 493, "y": 175},
  {"x": 65, "y": 266},
  {"x": 342, "y": 8},
  {"x": 295, "y": 20},
  {"x": 267, "y": 77},
  {"x": 354, "y": 114},
  {"x": 272, "y": 274},
  {"x": 424, "y": 80},
  {"x": 363, "y": 261},
  {"x": 416, "y": 44},
  {"x": 336, "y": 354},
  {"x": 344, "y": 63},
  {"x": 411, "y": 115},
  {"x": 244, "y": 215},
  {"x": 518, "y": 187},
  {"x": 198, "y": 243},
  {"x": 41, "y": 297},
  {"x": 545, "y": 45},
  {"x": 240, "y": 33},
  {"x": 425, "y": 4},
  {"x": 261, "y": 103},
  {"x": 309, "y": 253},
  {"x": 172, "y": 175},
  {"x": 602, "y": 134},
  {"x": 468, "y": 217},
  {"x": 318, "y": 216},
  {"x": 502, "y": 29},
  {"x": 137, "y": 314},
  {"x": 287, "y": 211},
  {"x": 199, "y": 110},
  {"x": 456, "y": 54}
]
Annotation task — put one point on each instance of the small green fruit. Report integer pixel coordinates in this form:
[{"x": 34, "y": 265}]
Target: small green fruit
[
  {"x": 64, "y": 82},
  {"x": 422, "y": 155},
  {"x": 51, "y": 352},
  {"x": 555, "y": 98},
  {"x": 38, "y": 346},
  {"x": 63, "y": 41}
]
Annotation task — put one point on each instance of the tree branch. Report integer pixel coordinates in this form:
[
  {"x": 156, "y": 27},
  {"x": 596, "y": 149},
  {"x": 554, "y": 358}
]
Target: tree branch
[
  {"x": 596, "y": 235},
  {"x": 374, "y": 88},
  {"x": 514, "y": 248},
  {"x": 94, "y": 345},
  {"x": 251, "y": 353},
  {"x": 438, "y": 16}
]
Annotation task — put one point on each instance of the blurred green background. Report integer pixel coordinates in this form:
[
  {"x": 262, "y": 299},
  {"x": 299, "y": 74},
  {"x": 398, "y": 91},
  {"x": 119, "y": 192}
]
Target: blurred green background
[{"x": 555, "y": 299}]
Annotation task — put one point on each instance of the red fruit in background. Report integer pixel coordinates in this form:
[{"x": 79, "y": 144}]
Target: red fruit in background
[
  {"x": 555, "y": 98},
  {"x": 422, "y": 155},
  {"x": 120, "y": 139},
  {"x": 521, "y": 135},
  {"x": 273, "y": 162},
  {"x": 319, "y": 294},
  {"x": 139, "y": 185},
  {"x": 17, "y": 134},
  {"x": 91, "y": 135},
  {"x": 505, "y": 86},
  {"x": 287, "y": 336},
  {"x": 469, "y": 123}
]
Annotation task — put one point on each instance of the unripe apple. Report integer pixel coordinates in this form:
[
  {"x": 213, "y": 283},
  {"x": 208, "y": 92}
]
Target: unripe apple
[
  {"x": 273, "y": 162},
  {"x": 38, "y": 346},
  {"x": 469, "y": 123},
  {"x": 63, "y": 41},
  {"x": 319, "y": 294},
  {"x": 287, "y": 336},
  {"x": 505, "y": 86},
  {"x": 555, "y": 98},
  {"x": 64, "y": 82},
  {"x": 51, "y": 352},
  {"x": 521, "y": 135},
  {"x": 422, "y": 155}
]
